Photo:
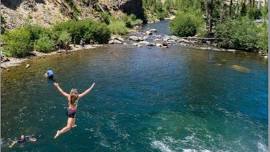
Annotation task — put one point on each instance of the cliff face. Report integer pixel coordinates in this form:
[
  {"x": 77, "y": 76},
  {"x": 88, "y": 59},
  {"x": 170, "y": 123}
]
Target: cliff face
[{"x": 47, "y": 12}]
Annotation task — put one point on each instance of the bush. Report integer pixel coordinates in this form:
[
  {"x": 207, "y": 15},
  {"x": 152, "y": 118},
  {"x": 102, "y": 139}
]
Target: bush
[
  {"x": 263, "y": 38},
  {"x": 185, "y": 24},
  {"x": 238, "y": 34},
  {"x": 105, "y": 18},
  {"x": 83, "y": 29},
  {"x": 44, "y": 44},
  {"x": 118, "y": 27},
  {"x": 17, "y": 42},
  {"x": 131, "y": 20},
  {"x": 64, "y": 39},
  {"x": 254, "y": 13}
]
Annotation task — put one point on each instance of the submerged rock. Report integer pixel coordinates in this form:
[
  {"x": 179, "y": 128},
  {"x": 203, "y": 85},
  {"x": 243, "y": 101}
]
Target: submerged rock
[{"x": 240, "y": 68}]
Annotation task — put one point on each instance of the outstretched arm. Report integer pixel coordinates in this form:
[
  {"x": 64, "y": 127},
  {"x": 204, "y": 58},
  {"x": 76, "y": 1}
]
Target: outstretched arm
[
  {"x": 60, "y": 90},
  {"x": 87, "y": 91}
]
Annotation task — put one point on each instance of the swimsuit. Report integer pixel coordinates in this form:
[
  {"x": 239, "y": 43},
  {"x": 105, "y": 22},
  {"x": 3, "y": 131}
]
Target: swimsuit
[{"x": 71, "y": 112}]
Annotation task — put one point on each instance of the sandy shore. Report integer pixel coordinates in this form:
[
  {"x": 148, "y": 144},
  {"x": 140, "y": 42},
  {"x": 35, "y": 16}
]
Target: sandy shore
[{"x": 18, "y": 61}]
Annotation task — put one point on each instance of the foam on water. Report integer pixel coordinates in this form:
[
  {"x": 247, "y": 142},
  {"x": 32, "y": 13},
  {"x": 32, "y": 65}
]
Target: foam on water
[
  {"x": 262, "y": 147},
  {"x": 161, "y": 146}
]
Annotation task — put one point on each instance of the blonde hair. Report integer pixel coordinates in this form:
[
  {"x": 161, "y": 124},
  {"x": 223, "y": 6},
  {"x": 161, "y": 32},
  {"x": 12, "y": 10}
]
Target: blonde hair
[{"x": 74, "y": 95}]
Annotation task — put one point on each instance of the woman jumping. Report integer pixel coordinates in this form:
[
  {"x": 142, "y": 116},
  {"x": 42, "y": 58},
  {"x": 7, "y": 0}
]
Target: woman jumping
[{"x": 73, "y": 98}]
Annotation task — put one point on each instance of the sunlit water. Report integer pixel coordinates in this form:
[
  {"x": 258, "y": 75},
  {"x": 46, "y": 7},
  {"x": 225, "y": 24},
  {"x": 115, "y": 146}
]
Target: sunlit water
[{"x": 145, "y": 99}]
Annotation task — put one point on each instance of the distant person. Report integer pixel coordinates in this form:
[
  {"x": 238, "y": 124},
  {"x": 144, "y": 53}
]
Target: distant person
[
  {"x": 49, "y": 74},
  {"x": 23, "y": 139},
  {"x": 73, "y": 98},
  {"x": 82, "y": 42}
]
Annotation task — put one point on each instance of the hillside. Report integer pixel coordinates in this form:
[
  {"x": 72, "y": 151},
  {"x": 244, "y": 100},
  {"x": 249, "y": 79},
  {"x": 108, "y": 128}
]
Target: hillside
[{"x": 47, "y": 12}]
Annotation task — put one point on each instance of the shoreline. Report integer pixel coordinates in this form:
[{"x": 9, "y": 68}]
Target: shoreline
[
  {"x": 19, "y": 61},
  {"x": 12, "y": 61}
]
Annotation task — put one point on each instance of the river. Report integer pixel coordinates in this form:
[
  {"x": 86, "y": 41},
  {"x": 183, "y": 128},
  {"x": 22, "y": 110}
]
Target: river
[{"x": 145, "y": 99}]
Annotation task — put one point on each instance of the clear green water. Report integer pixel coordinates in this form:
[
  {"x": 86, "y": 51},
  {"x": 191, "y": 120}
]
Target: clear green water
[{"x": 166, "y": 100}]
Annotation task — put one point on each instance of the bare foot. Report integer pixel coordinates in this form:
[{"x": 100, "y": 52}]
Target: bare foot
[
  {"x": 57, "y": 134},
  {"x": 74, "y": 126}
]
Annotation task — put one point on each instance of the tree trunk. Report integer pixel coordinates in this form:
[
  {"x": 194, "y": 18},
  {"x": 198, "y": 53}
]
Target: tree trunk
[
  {"x": 222, "y": 11},
  {"x": 231, "y": 3}
]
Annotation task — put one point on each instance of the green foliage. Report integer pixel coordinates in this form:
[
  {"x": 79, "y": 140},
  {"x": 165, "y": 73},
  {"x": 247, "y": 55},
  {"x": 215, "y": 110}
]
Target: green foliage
[
  {"x": 254, "y": 13},
  {"x": 36, "y": 31},
  {"x": 44, "y": 44},
  {"x": 154, "y": 9},
  {"x": 131, "y": 20},
  {"x": 64, "y": 39},
  {"x": 239, "y": 34},
  {"x": 17, "y": 42},
  {"x": 73, "y": 7},
  {"x": 263, "y": 38},
  {"x": 118, "y": 27},
  {"x": 84, "y": 29},
  {"x": 186, "y": 24},
  {"x": 105, "y": 17}
]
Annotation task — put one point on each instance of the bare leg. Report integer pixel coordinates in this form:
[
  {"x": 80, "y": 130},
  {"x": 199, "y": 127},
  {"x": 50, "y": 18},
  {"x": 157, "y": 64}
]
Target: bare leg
[
  {"x": 12, "y": 144},
  {"x": 73, "y": 124},
  {"x": 70, "y": 122}
]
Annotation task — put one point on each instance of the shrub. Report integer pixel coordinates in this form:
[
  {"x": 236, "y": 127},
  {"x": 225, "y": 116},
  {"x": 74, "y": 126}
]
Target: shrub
[
  {"x": 238, "y": 34},
  {"x": 44, "y": 44},
  {"x": 185, "y": 24},
  {"x": 84, "y": 29},
  {"x": 131, "y": 20},
  {"x": 254, "y": 13},
  {"x": 17, "y": 42},
  {"x": 263, "y": 38},
  {"x": 118, "y": 27},
  {"x": 101, "y": 34},
  {"x": 105, "y": 18},
  {"x": 64, "y": 39},
  {"x": 36, "y": 31}
]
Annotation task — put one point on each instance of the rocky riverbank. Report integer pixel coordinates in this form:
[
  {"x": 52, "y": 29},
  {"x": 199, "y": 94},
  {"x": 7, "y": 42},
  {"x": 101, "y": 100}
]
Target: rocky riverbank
[
  {"x": 148, "y": 38},
  {"x": 11, "y": 61},
  {"x": 152, "y": 38}
]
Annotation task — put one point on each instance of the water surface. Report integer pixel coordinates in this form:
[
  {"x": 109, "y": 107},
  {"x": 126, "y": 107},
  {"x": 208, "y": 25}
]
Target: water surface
[{"x": 145, "y": 99}]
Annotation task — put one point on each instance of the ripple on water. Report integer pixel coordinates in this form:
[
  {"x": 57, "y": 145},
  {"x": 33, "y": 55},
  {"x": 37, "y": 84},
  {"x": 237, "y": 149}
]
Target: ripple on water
[
  {"x": 161, "y": 146},
  {"x": 262, "y": 147}
]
